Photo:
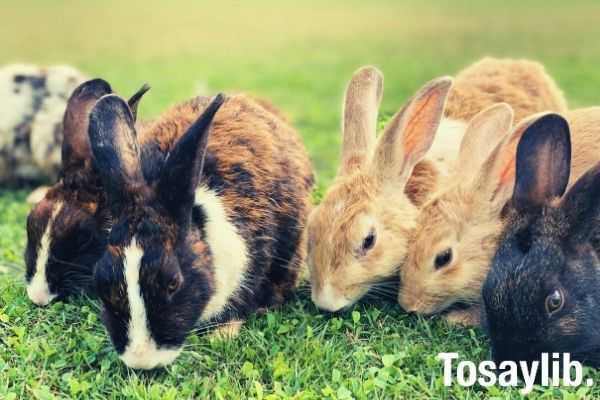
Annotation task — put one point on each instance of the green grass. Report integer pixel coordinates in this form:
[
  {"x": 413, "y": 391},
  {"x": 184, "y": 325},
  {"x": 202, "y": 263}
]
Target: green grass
[{"x": 299, "y": 55}]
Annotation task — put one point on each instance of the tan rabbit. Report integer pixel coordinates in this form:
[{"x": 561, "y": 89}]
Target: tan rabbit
[
  {"x": 458, "y": 228},
  {"x": 358, "y": 235}
]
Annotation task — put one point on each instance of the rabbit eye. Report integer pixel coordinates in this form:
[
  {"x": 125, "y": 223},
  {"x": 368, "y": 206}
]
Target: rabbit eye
[
  {"x": 368, "y": 242},
  {"x": 442, "y": 259},
  {"x": 174, "y": 285},
  {"x": 554, "y": 302}
]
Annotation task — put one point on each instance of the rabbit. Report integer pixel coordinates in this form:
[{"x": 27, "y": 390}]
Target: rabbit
[
  {"x": 358, "y": 236},
  {"x": 33, "y": 101},
  {"x": 458, "y": 228},
  {"x": 218, "y": 235},
  {"x": 67, "y": 228},
  {"x": 542, "y": 292}
]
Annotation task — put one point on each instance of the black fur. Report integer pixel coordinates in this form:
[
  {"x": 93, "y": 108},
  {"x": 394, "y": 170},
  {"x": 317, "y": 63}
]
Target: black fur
[
  {"x": 543, "y": 160},
  {"x": 111, "y": 125},
  {"x": 177, "y": 268},
  {"x": 182, "y": 170},
  {"x": 78, "y": 236},
  {"x": 158, "y": 224},
  {"x": 546, "y": 246}
]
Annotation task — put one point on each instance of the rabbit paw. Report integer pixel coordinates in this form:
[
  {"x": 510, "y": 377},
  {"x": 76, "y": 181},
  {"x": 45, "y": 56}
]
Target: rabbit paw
[
  {"x": 467, "y": 317},
  {"x": 228, "y": 330}
]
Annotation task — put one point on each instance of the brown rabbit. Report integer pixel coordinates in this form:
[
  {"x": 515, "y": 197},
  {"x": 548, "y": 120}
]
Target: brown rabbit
[
  {"x": 458, "y": 228},
  {"x": 358, "y": 235}
]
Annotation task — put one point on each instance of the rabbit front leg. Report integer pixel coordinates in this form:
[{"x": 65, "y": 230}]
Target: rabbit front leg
[
  {"x": 227, "y": 330},
  {"x": 466, "y": 317}
]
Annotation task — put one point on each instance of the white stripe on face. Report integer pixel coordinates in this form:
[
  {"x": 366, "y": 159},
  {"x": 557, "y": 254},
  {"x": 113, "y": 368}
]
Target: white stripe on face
[
  {"x": 38, "y": 289},
  {"x": 228, "y": 248},
  {"x": 141, "y": 350}
]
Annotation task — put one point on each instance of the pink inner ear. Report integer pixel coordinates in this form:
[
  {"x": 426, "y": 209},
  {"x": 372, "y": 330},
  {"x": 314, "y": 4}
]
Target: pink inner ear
[
  {"x": 413, "y": 126},
  {"x": 507, "y": 173}
]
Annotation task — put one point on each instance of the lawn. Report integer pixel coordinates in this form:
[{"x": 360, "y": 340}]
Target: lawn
[{"x": 299, "y": 56}]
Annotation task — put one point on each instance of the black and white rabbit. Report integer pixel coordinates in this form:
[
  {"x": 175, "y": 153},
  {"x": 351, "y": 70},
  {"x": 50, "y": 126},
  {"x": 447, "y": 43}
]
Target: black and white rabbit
[
  {"x": 218, "y": 235},
  {"x": 542, "y": 294},
  {"x": 67, "y": 228}
]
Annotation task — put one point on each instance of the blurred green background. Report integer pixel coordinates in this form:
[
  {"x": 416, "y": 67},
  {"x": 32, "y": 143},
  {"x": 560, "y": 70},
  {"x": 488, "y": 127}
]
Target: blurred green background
[{"x": 298, "y": 54}]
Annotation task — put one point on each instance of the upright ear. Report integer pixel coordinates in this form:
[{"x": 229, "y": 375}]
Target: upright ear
[
  {"x": 76, "y": 151},
  {"x": 410, "y": 133},
  {"x": 496, "y": 177},
  {"x": 116, "y": 153},
  {"x": 543, "y": 162},
  {"x": 485, "y": 131},
  {"x": 181, "y": 173},
  {"x": 134, "y": 100},
  {"x": 581, "y": 204},
  {"x": 359, "y": 121}
]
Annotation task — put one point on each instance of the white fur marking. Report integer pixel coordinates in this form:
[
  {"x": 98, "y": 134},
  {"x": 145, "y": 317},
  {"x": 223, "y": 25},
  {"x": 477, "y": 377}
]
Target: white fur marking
[
  {"x": 228, "y": 249},
  {"x": 327, "y": 299},
  {"x": 38, "y": 289},
  {"x": 141, "y": 350}
]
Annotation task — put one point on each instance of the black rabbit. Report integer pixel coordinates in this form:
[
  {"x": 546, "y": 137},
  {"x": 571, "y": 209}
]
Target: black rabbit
[{"x": 542, "y": 294}]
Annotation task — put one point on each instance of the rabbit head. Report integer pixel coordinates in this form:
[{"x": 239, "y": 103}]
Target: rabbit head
[
  {"x": 153, "y": 279},
  {"x": 541, "y": 294},
  {"x": 358, "y": 235},
  {"x": 457, "y": 227}
]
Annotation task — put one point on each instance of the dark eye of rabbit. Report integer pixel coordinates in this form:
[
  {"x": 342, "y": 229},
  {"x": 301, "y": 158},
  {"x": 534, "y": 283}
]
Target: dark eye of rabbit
[
  {"x": 554, "y": 302},
  {"x": 443, "y": 258},
  {"x": 173, "y": 285},
  {"x": 368, "y": 242}
]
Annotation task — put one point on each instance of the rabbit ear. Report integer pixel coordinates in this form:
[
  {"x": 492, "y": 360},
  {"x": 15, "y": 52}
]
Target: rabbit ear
[
  {"x": 134, "y": 100},
  {"x": 183, "y": 168},
  {"x": 496, "y": 177},
  {"x": 485, "y": 131},
  {"x": 581, "y": 204},
  {"x": 359, "y": 121},
  {"x": 543, "y": 162},
  {"x": 410, "y": 133},
  {"x": 116, "y": 153},
  {"x": 76, "y": 151}
]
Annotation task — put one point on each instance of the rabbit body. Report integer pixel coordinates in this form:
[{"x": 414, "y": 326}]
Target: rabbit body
[
  {"x": 33, "y": 103},
  {"x": 360, "y": 233}
]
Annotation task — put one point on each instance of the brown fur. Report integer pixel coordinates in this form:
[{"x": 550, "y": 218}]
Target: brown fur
[
  {"x": 244, "y": 134},
  {"x": 523, "y": 84},
  {"x": 467, "y": 218},
  {"x": 381, "y": 183},
  {"x": 238, "y": 137}
]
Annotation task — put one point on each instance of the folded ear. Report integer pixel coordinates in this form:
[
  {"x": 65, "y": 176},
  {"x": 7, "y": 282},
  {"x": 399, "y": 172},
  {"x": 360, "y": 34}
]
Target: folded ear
[
  {"x": 543, "y": 162},
  {"x": 181, "y": 173},
  {"x": 116, "y": 153},
  {"x": 134, "y": 100},
  {"x": 484, "y": 132},
  {"x": 359, "y": 121},
  {"x": 410, "y": 133},
  {"x": 581, "y": 204},
  {"x": 76, "y": 151}
]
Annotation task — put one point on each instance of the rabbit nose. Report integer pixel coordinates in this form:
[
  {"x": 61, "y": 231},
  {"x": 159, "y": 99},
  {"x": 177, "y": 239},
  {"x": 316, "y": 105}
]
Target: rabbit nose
[
  {"x": 328, "y": 298},
  {"x": 39, "y": 294},
  {"x": 408, "y": 302}
]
